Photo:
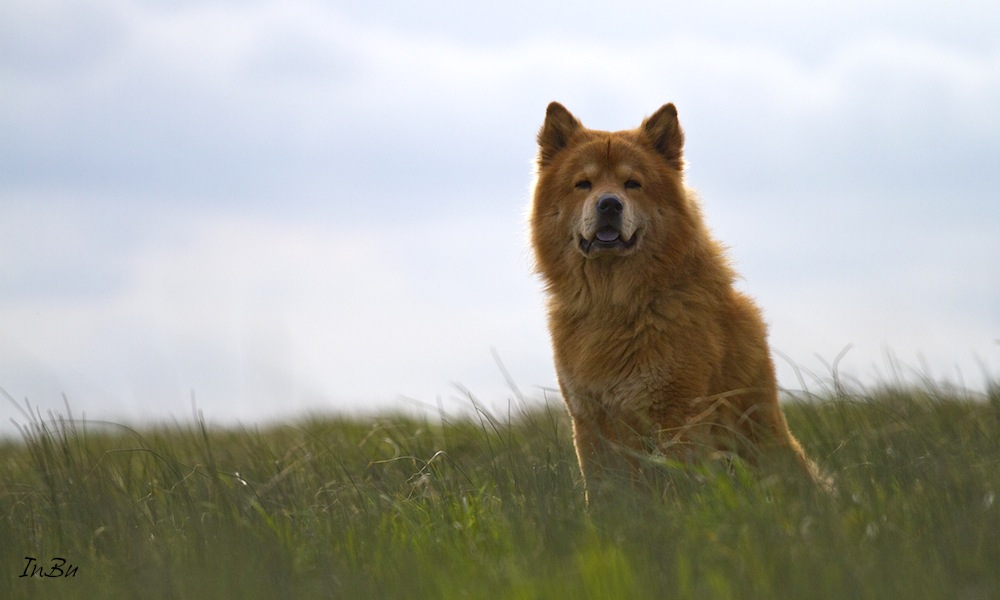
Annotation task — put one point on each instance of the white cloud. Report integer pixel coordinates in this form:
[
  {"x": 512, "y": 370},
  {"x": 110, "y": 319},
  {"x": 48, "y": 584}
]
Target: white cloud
[
  {"x": 296, "y": 200},
  {"x": 227, "y": 99},
  {"x": 257, "y": 317}
]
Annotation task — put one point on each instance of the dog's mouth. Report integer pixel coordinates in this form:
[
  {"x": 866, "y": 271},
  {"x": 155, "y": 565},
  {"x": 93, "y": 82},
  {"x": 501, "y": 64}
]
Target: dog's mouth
[{"x": 607, "y": 238}]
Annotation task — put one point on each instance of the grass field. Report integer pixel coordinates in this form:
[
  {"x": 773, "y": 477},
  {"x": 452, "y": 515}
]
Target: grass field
[{"x": 490, "y": 507}]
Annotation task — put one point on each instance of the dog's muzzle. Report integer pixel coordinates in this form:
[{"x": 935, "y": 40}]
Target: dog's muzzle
[{"x": 608, "y": 234}]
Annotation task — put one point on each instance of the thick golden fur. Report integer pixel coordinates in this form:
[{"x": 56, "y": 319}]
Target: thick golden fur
[{"x": 655, "y": 350}]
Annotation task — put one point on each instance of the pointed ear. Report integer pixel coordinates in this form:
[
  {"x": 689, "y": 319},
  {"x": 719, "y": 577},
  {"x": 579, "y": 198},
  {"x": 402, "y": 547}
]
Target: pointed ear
[
  {"x": 664, "y": 132},
  {"x": 558, "y": 128}
]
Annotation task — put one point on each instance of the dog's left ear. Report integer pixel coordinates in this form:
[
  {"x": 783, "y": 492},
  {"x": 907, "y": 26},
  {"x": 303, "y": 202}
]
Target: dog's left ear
[{"x": 664, "y": 132}]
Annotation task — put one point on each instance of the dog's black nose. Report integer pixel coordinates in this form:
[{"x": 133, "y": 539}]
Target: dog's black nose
[{"x": 609, "y": 204}]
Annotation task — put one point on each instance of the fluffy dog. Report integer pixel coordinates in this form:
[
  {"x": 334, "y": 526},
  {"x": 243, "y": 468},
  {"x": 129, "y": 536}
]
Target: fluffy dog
[{"x": 655, "y": 350}]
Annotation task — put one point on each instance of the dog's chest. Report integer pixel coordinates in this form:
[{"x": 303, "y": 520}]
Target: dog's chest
[{"x": 664, "y": 352}]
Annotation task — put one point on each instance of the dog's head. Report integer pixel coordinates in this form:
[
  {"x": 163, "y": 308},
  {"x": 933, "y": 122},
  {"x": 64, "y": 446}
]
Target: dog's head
[{"x": 607, "y": 195}]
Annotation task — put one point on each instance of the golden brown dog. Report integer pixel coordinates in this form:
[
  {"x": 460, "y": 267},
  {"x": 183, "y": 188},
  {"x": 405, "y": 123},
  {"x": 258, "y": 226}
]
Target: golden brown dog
[{"x": 654, "y": 348}]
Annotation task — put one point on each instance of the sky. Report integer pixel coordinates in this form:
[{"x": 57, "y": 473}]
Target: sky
[{"x": 262, "y": 209}]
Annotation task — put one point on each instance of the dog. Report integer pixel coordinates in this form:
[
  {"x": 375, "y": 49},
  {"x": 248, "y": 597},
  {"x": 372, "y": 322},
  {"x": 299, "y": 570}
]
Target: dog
[{"x": 655, "y": 350}]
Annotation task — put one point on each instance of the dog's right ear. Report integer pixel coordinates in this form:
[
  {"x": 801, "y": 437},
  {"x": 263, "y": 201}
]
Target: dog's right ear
[{"x": 556, "y": 132}]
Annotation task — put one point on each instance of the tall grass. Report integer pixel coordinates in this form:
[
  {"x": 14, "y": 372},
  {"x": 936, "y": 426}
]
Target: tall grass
[{"x": 490, "y": 507}]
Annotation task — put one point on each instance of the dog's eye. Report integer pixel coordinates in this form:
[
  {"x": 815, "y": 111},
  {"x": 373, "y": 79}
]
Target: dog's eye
[
  {"x": 632, "y": 184},
  {"x": 583, "y": 184}
]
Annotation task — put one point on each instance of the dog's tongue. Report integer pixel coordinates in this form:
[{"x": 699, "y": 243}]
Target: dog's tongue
[{"x": 607, "y": 234}]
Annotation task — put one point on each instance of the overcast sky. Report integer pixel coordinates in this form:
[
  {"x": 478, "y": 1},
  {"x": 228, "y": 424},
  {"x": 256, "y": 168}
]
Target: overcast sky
[{"x": 303, "y": 205}]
